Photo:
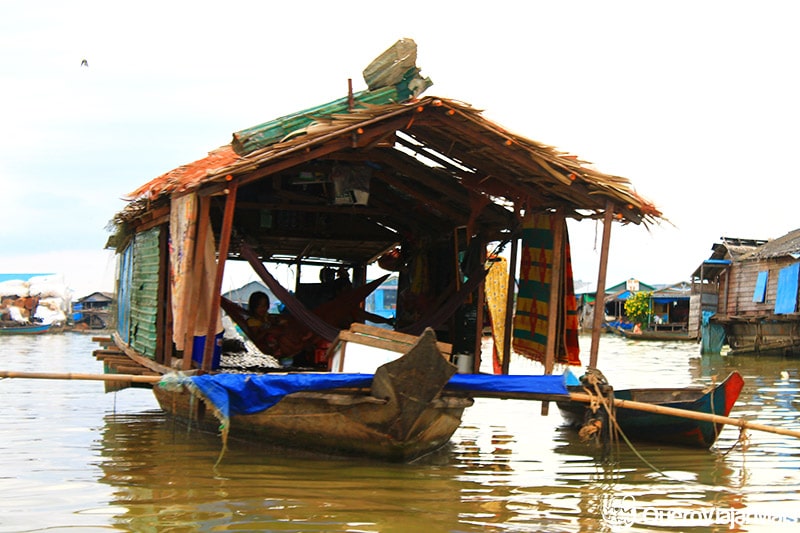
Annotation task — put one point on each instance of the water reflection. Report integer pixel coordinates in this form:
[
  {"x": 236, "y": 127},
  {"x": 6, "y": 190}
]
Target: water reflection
[{"x": 165, "y": 477}]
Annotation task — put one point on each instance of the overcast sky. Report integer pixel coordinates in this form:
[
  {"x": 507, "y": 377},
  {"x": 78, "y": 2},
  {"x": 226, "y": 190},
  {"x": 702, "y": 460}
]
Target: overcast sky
[{"x": 695, "y": 102}]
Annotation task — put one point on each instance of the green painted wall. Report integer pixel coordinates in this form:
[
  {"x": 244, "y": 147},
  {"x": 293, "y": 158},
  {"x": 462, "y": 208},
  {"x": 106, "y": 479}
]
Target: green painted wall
[{"x": 144, "y": 292}]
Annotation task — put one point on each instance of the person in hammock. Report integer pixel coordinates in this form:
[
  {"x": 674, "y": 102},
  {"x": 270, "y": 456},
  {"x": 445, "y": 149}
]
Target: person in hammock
[{"x": 262, "y": 326}]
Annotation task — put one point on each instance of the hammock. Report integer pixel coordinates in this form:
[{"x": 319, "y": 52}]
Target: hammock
[
  {"x": 435, "y": 318},
  {"x": 239, "y": 315},
  {"x": 438, "y": 316},
  {"x": 343, "y": 304},
  {"x": 295, "y": 306}
]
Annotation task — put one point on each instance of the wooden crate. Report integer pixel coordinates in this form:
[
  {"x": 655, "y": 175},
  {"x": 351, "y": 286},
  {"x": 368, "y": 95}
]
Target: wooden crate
[{"x": 362, "y": 348}]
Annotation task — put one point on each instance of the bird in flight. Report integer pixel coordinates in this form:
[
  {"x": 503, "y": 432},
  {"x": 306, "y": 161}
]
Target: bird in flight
[{"x": 84, "y": 63}]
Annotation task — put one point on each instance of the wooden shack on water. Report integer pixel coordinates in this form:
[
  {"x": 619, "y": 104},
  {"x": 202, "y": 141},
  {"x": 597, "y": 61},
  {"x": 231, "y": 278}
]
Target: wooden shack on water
[
  {"x": 751, "y": 287},
  {"x": 347, "y": 184}
]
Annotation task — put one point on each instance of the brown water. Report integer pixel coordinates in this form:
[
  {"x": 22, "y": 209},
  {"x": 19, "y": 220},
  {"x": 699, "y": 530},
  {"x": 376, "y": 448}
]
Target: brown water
[{"x": 73, "y": 458}]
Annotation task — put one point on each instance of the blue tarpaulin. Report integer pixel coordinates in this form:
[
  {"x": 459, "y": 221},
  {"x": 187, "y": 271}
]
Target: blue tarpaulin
[
  {"x": 712, "y": 335},
  {"x": 786, "y": 299},
  {"x": 235, "y": 394}
]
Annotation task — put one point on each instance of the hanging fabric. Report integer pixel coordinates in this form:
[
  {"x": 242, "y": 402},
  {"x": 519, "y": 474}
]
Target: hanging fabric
[
  {"x": 496, "y": 297},
  {"x": 182, "y": 223},
  {"x": 533, "y": 299}
]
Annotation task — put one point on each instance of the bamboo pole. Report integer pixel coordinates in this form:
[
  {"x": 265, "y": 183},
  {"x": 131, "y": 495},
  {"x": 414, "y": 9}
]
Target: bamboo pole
[
  {"x": 599, "y": 295},
  {"x": 574, "y": 396},
  {"x": 78, "y": 376},
  {"x": 683, "y": 413},
  {"x": 512, "y": 282}
]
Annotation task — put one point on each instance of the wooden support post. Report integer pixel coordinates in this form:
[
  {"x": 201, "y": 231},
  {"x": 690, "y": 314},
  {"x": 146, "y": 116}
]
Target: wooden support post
[
  {"x": 163, "y": 353},
  {"x": 556, "y": 302},
  {"x": 512, "y": 283},
  {"x": 555, "y": 305},
  {"x": 600, "y": 301},
  {"x": 481, "y": 303},
  {"x": 216, "y": 295},
  {"x": 359, "y": 275}
]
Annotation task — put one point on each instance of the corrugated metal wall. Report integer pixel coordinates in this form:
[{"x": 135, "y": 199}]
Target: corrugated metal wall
[
  {"x": 144, "y": 292},
  {"x": 123, "y": 293}
]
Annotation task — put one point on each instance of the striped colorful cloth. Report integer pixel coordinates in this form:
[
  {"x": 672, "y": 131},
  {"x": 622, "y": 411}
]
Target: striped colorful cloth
[{"x": 531, "y": 317}]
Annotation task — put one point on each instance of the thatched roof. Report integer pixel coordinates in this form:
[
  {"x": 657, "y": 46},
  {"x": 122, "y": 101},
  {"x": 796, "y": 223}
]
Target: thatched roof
[
  {"x": 787, "y": 245},
  {"x": 431, "y": 164}
]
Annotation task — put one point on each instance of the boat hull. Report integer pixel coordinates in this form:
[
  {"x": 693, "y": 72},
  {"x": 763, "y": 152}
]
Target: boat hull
[
  {"x": 343, "y": 423},
  {"x": 667, "y": 429},
  {"x": 648, "y": 335},
  {"x": 25, "y": 330},
  {"x": 763, "y": 337},
  {"x": 398, "y": 414}
]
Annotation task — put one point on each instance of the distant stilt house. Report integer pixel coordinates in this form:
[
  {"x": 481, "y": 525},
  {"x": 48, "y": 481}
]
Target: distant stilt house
[
  {"x": 671, "y": 315},
  {"x": 671, "y": 307},
  {"x": 93, "y": 311},
  {"x": 669, "y": 304},
  {"x": 751, "y": 287}
]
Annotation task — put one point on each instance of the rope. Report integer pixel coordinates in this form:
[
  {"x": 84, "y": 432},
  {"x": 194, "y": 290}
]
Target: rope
[{"x": 594, "y": 378}]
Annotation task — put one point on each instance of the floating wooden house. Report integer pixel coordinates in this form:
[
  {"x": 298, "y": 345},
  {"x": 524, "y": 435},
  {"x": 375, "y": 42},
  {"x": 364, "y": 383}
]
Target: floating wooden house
[
  {"x": 424, "y": 186},
  {"x": 751, "y": 287},
  {"x": 94, "y": 311}
]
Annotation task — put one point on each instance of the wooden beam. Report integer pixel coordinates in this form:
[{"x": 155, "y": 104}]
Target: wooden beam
[
  {"x": 317, "y": 148},
  {"x": 599, "y": 300},
  {"x": 458, "y": 217},
  {"x": 360, "y": 210},
  {"x": 560, "y": 184},
  {"x": 479, "y": 318},
  {"x": 138, "y": 359},
  {"x": 216, "y": 294},
  {"x": 163, "y": 350},
  {"x": 556, "y": 302},
  {"x": 555, "y": 305},
  {"x": 512, "y": 283}
]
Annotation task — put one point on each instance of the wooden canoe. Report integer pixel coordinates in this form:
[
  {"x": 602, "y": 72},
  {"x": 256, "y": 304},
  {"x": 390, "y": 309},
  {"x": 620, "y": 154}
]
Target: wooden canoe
[
  {"x": 400, "y": 417},
  {"x": 653, "y": 335},
  {"x": 29, "y": 329},
  {"x": 666, "y": 429}
]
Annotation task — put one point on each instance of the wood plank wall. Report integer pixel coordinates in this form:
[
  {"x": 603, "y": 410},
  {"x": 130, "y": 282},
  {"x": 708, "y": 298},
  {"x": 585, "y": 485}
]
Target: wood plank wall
[{"x": 742, "y": 285}]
